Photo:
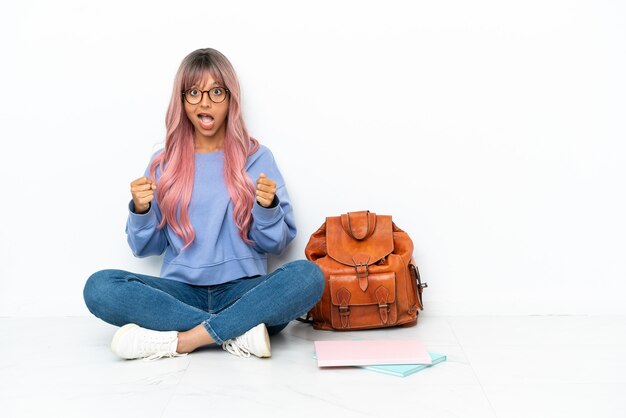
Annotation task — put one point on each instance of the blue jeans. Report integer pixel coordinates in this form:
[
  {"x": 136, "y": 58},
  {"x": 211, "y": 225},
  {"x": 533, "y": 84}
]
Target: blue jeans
[{"x": 226, "y": 310}]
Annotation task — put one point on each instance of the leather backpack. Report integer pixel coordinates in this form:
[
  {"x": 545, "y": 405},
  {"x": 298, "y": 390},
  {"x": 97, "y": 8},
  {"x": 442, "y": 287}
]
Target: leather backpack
[{"x": 372, "y": 280}]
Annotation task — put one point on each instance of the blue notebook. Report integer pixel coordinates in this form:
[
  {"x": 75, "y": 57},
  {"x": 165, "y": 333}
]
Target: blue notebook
[{"x": 404, "y": 370}]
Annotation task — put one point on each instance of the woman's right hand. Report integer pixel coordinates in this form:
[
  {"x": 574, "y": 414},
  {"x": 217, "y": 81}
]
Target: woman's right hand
[{"x": 142, "y": 190}]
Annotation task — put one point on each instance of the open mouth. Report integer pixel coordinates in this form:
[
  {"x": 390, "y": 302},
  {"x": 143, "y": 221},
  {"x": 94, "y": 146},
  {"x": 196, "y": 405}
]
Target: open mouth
[{"x": 206, "y": 120}]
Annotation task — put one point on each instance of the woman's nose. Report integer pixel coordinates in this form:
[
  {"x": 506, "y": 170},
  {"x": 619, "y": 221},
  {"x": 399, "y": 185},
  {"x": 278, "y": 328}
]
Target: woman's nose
[{"x": 206, "y": 100}]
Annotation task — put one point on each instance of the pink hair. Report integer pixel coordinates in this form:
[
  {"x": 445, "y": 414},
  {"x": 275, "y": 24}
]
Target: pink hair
[{"x": 176, "y": 161}]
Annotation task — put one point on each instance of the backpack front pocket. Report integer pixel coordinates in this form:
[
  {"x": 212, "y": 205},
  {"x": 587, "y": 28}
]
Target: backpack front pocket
[{"x": 354, "y": 307}]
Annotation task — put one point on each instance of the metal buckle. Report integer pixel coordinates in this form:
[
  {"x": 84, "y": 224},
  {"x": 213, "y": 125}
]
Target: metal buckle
[{"x": 362, "y": 274}]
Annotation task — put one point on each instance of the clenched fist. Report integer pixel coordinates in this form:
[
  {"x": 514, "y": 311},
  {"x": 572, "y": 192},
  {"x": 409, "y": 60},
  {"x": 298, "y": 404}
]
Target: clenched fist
[
  {"x": 142, "y": 190},
  {"x": 265, "y": 190}
]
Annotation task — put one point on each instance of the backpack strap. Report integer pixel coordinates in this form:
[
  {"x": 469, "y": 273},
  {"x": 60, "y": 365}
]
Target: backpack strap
[
  {"x": 418, "y": 281},
  {"x": 307, "y": 319}
]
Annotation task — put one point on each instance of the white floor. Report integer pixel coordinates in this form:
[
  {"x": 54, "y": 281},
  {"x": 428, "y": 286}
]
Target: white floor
[{"x": 530, "y": 367}]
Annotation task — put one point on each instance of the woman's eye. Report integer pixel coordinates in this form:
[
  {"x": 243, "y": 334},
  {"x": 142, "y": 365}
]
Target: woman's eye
[
  {"x": 194, "y": 92},
  {"x": 217, "y": 91}
]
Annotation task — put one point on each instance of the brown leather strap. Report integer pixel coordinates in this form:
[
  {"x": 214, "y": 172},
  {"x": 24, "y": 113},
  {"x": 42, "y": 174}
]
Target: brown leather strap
[
  {"x": 343, "y": 296},
  {"x": 382, "y": 296},
  {"x": 418, "y": 282},
  {"x": 361, "y": 264}
]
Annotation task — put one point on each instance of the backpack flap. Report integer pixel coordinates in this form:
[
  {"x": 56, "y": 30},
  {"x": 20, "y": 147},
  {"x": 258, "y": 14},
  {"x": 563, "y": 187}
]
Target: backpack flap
[{"x": 359, "y": 233}]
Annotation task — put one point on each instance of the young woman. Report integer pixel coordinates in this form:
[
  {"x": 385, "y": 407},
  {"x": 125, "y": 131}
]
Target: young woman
[{"x": 215, "y": 202}]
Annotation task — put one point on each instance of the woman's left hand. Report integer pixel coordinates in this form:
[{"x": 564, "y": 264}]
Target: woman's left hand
[{"x": 265, "y": 190}]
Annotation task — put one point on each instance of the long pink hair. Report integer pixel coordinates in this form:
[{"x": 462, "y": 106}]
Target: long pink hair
[{"x": 176, "y": 161}]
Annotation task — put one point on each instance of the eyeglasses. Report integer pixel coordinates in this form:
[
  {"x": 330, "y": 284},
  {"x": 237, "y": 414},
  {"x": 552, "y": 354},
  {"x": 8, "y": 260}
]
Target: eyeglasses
[{"x": 216, "y": 94}]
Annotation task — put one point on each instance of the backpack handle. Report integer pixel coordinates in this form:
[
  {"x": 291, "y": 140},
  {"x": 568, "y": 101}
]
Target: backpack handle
[{"x": 359, "y": 225}]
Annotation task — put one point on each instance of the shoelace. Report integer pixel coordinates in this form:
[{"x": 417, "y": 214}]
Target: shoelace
[
  {"x": 237, "y": 347},
  {"x": 162, "y": 354},
  {"x": 155, "y": 344}
]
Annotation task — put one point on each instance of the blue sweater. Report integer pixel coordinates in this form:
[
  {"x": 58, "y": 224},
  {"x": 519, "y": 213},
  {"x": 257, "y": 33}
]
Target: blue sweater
[{"x": 217, "y": 254}]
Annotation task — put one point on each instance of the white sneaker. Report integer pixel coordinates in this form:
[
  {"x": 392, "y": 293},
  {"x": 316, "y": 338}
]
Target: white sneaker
[
  {"x": 131, "y": 341},
  {"x": 255, "y": 341}
]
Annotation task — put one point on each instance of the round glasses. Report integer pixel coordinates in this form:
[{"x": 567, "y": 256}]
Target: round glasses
[{"x": 216, "y": 94}]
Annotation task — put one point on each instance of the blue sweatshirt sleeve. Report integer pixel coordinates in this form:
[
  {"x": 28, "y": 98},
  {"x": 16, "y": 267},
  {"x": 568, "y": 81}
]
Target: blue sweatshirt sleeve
[
  {"x": 272, "y": 228},
  {"x": 142, "y": 234}
]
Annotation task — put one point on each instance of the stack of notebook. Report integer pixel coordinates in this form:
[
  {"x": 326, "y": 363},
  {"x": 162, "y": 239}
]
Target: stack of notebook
[{"x": 395, "y": 357}]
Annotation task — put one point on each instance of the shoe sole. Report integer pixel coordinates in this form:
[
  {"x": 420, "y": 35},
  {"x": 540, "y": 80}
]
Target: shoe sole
[
  {"x": 265, "y": 350},
  {"x": 118, "y": 335}
]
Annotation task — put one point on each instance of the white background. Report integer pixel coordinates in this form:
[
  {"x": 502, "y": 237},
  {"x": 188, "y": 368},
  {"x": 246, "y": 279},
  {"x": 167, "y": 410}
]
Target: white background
[{"x": 492, "y": 131}]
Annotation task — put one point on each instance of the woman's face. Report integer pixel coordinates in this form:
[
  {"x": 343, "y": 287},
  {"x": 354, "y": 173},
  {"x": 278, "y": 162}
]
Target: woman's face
[{"x": 207, "y": 117}]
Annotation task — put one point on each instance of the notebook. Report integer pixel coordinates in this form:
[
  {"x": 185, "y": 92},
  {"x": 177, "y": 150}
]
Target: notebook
[
  {"x": 404, "y": 370},
  {"x": 370, "y": 352}
]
